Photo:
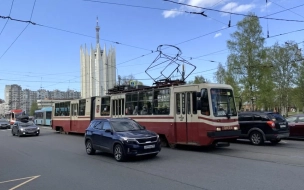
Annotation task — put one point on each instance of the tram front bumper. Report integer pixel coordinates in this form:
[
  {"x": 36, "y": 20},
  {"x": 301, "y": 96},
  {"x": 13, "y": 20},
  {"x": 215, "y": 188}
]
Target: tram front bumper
[{"x": 224, "y": 134}]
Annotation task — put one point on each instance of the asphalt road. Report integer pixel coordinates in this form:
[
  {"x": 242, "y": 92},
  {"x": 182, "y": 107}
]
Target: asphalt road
[{"x": 57, "y": 161}]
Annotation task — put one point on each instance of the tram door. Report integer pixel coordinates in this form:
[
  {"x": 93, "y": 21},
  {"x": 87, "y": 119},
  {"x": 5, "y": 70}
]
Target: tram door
[
  {"x": 118, "y": 106},
  {"x": 74, "y": 116},
  {"x": 186, "y": 119}
]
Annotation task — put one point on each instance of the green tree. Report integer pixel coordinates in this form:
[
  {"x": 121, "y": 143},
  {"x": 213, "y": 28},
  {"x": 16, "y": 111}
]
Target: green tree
[
  {"x": 125, "y": 80},
  {"x": 34, "y": 107},
  {"x": 220, "y": 74},
  {"x": 198, "y": 80},
  {"x": 297, "y": 93},
  {"x": 285, "y": 65},
  {"x": 246, "y": 57}
]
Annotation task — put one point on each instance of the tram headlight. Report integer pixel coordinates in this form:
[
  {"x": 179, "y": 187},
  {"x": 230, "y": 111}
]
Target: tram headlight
[
  {"x": 218, "y": 129},
  {"x": 236, "y": 128}
]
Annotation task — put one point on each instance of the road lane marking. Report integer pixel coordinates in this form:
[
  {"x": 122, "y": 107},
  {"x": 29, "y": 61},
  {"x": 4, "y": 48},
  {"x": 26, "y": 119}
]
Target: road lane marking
[
  {"x": 29, "y": 179},
  {"x": 34, "y": 177}
]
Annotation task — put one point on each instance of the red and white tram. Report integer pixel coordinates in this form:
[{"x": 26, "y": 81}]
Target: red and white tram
[{"x": 199, "y": 114}]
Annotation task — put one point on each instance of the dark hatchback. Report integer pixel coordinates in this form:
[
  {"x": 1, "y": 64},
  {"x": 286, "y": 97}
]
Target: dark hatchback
[
  {"x": 263, "y": 126},
  {"x": 122, "y": 137},
  {"x": 296, "y": 125}
]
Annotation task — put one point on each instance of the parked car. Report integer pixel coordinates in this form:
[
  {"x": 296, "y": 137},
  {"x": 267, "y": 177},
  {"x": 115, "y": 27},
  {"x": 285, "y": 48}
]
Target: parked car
[
  {"x": 25, "y": 127},
  {"x": 296, "y": 125},
  {"x": 122, "y": 137},
  {"x": 4, "y": 124},
  {"x": 259, "y": 127}
]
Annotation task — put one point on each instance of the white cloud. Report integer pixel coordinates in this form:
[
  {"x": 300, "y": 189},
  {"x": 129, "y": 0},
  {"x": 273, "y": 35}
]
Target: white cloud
[
  {"x": 263, "y": 8},
  {"x": 217, "y": 35},
  {"x": 200, "y": 3},
  {"x": 172, "y": 13},
  {"x": 236, "y": 8}
]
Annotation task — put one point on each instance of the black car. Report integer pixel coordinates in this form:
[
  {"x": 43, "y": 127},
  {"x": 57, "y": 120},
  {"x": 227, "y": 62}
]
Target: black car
[
  {"x": 122, "y": 137},
  {"x": 263, "y": 126}
]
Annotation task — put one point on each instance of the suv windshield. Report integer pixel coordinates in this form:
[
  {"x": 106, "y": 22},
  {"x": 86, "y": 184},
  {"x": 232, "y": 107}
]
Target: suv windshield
[
  {"x": 126, "y": 125},
  {"x": 222, "y": 102}
]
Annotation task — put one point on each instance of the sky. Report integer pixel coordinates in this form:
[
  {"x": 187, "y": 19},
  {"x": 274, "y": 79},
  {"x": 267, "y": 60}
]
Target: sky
[{"x": 48, "y": 58}]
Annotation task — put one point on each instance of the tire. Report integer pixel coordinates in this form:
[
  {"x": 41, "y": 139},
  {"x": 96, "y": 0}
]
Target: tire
[
  {"x": 119, "y": 153},
  {"x": 275, "y": 141},
  {"x": 256, "y": 138},
  {"x": 61, "y": 130},
  {"x": 89, "y": 147}
]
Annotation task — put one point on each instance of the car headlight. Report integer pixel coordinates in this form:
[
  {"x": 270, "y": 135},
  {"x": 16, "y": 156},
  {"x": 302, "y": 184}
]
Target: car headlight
[
  {"x": 38, "y": 128},
  {"x": 21, "y": 129},
  {"x": 128, "y": 140}
]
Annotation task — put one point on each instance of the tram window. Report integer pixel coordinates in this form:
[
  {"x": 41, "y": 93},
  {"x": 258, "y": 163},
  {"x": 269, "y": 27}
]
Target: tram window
[
  {"x": 82, "y": 107},
  {"x": 161, "y": 102},
  {"x": 178, "y": 103},
  {"x": 113, "y": 107},
  {"x": 145, "y": 102},
  {"x": 204, "y": 102},
  {"x": 188, "y": 103},
  {"x": 48, "y": 115},
  {"x": 123, "y": 105},
  {"x": 105, "y": 106},
  {"x": 74, "y": 109},
  {"x": 194, "y": 103},
  {"x": 62, "y": 109},
  {"x": 67, "y": 108},
  {"x": 57, "y": 109},
  {"x": 183, "y": 103},
  {"x": 117, "y": 107},
  {"x": 131, "y": 104}
]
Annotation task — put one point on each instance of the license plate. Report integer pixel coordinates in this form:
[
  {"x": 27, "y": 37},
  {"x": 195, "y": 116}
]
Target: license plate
[
  {"x": 149, "y": 146},
  {"x": 282, "y": 126}
]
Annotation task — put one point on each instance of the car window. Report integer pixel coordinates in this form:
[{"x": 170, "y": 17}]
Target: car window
[
  {"x": 291, "y": 119},
  {"x": 301, "y": 119},
  {"x": 276, "y": 117},
  {"x": 257, "y": 118},
  {"x": 245, "y": 118},
  {"x": 106, "y": 125},
  {"x": 98, "y": 125}
]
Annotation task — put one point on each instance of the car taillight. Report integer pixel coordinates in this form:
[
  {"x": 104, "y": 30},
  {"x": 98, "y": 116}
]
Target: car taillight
[{"x": 271, "y": 124}]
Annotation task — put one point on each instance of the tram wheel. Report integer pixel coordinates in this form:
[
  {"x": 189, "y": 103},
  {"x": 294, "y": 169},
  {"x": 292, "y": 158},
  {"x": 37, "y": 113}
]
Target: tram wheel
[
  {"x": 172, "y": 145},
  {"x": 61, "y": 131}
]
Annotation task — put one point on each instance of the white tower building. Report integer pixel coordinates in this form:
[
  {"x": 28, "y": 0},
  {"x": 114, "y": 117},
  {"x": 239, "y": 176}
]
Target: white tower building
[{"x": 98, "y": 69}]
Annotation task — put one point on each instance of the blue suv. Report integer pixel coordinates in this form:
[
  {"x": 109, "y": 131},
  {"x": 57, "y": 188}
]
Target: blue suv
[{"x": 122, "y": 137}]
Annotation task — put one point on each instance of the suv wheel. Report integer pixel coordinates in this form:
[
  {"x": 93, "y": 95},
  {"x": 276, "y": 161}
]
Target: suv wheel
[
  {"x": 89, "y": 148},
  {"x": 119, "y": 153},
  {"x": 256, "y": 138}
]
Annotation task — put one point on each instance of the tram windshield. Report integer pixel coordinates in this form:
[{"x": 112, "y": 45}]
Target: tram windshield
[{"x": 223, "y": 102}]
